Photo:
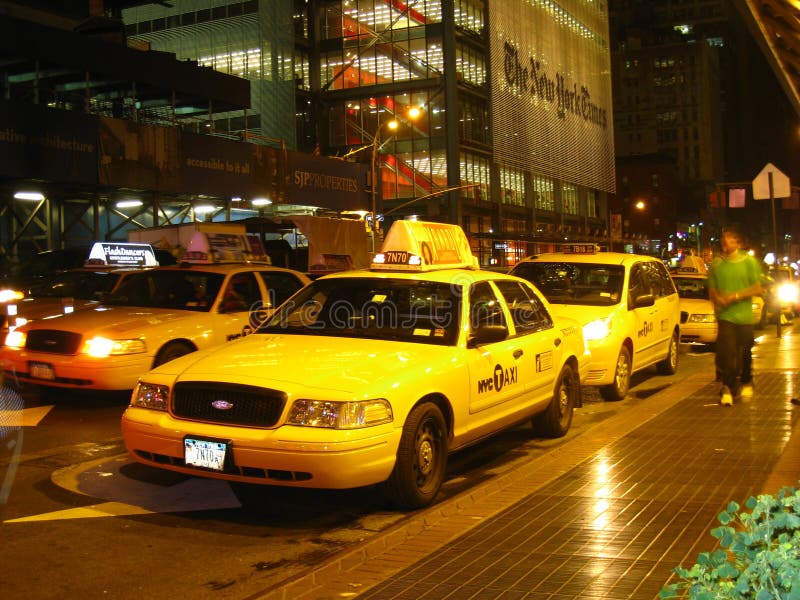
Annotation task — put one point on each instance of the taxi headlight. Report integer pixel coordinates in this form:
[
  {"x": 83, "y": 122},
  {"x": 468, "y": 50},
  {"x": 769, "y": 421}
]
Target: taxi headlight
[
  {"x": 702, "y": 319},
  {"x": 787, "y": 293},
  {"x": 597, "y": 330},
  {"x": 16, "y": 339},
  {"x": 148, "y": 395},
  {"x": 340, "y": 415},
  {"x": 10, "y": 295},
  {"x": 101, "y": 347}
]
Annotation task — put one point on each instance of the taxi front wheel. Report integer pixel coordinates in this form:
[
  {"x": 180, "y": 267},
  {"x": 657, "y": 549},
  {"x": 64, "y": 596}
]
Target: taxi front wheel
[
  {"x": 170, "y": 352},
  {"x": 556, "y": 419},
  {"x": 421, "y": 459},
  {"x": 618, "y": 389}
]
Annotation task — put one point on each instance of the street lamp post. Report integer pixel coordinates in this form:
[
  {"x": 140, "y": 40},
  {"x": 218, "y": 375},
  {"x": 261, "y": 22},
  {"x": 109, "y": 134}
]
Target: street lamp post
[{"x": 391, "y": 124}]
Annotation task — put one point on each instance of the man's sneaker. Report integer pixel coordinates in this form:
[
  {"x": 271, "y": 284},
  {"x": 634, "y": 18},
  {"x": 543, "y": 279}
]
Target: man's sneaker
[
  {"x": 726, "y": 398},
  {"x": 746, "y": 392}
]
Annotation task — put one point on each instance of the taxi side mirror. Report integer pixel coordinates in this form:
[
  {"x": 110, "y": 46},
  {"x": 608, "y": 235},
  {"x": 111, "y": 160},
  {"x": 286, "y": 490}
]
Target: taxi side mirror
[
  {"x": 487, "y": 334},
  {"x": 644, "y": 300}
]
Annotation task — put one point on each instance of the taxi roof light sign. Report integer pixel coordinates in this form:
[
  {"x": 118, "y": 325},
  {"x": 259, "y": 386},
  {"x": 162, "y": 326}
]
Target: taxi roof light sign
[
  {"x": 424, "y": 246},
  {"x": 121, "y": 254}
]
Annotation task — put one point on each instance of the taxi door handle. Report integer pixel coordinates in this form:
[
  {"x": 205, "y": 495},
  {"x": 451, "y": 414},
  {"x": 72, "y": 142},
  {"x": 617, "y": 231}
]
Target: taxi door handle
[{"x": 518, "y": 353}]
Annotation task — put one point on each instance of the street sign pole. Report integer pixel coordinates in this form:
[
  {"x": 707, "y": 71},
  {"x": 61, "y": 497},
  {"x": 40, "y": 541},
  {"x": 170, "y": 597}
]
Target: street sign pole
[{"x": 772, "y": 206}]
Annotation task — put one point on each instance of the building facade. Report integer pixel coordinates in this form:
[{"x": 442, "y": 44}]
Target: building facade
[{"x": 493, "y": 114}]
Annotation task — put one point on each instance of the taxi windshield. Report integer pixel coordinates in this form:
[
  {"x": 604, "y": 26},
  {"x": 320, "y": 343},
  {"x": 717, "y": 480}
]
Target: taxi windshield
[
  {"x": 85, "y": 285},
  {"x": 186, "y": 290},
  {"x": 575, "y": 283},
  {"x": 405, "y": 310},
  {"x": 691, "y": 287}
]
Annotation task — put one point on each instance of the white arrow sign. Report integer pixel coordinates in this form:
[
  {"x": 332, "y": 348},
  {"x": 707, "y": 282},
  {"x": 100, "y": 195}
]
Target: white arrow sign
[{"x": 781, "y": 187}]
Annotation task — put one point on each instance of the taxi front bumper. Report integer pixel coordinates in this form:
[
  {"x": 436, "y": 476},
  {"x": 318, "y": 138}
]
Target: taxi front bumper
[
  {"x": 287, "y": 456},
  {"x": 75, "y": 371}
]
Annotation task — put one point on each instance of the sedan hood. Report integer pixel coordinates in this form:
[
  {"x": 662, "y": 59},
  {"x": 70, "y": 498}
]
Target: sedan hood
[
  {"x": 313, "y": 363},
  {"x": 113, "y": 321}
]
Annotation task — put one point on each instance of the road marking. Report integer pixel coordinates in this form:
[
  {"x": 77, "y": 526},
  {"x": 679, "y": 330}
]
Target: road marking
[
  {"x": 27, "y": 417},
  {"x": 102, "y": 479}
]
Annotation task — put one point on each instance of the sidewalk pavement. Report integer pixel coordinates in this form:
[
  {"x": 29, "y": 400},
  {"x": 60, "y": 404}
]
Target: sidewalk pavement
[{"x": 606, "y": 515}]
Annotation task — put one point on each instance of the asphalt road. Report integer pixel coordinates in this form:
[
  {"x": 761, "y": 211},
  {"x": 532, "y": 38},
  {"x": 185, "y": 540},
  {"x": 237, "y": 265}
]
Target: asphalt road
[{"x": 78, "y": 518}]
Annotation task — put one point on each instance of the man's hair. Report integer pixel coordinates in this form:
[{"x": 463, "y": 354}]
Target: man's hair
[{"x": 733, "y": 231}]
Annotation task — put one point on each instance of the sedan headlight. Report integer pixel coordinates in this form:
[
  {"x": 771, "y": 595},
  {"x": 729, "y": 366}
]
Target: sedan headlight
[
  {"x": 702, "y": 319},
  {"x": 101, "y": 347},
  {"x": 7, "y": 295},
  {"x": 597, "y": 330},
  {"x": 787, "y": 293},
  {"x": 149, "y": 395},
  {"x": 16, "y": 339},
  {"x": 340, "y": 415}
]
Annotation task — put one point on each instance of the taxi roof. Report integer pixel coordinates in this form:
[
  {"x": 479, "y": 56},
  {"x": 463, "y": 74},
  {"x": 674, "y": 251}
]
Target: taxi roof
[
  {"x": 463, "y": 275},
  {"x": 229, "y": 267},
  {"x": 602, "y": 258}
]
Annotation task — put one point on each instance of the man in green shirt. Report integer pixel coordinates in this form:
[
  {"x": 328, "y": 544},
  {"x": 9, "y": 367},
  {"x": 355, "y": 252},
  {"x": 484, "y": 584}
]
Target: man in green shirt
[{"x": 734, "y": 278}]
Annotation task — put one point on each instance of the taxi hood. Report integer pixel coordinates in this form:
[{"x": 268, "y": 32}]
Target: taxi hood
[
  {"x": 312, "y": 364},
  {"x": 583, "y": 313},
  {"x": 113, "y": 320}
]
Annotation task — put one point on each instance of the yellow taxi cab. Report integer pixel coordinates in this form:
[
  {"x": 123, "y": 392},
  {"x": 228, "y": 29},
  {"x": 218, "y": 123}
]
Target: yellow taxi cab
[
  {"x": 698, "y": 317},
  {"x": 627, "y": 304},
  {"x": 106, "y": 265},
  {"x": 152, "y": 317},
  {"x": 367, "y": 377}
]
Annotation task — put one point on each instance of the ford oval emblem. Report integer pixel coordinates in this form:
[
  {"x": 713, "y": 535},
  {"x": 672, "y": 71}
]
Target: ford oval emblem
[{"x": 222, "y": 404}]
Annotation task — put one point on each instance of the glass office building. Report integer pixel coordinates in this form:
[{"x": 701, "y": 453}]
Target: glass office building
[{"x": 494, "y": 114}]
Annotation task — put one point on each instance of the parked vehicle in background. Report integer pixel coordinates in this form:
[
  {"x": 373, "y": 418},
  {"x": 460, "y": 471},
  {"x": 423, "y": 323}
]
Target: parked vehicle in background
[
  {"x": 627, "y": 304},
  {"x": 782, "y": 293},
  {"x": 698, "y": 317},
  {"x": 368, "y": 377}
]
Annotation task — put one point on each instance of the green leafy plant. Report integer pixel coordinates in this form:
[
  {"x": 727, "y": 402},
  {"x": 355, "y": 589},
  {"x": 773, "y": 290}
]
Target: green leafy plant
[{"x": 758, "y": 555}]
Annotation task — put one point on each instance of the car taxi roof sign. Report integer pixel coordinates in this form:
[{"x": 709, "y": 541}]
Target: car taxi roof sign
[
  {"x": 121, "y": 254},
  {"x": 424, "y": 246}
]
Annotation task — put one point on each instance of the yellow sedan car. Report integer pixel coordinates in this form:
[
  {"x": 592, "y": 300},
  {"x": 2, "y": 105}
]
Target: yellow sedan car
[
  {"x": 367, "y": 377},
  {"x": 152, "y": 317},
  {"x": 698, "y": 317}
]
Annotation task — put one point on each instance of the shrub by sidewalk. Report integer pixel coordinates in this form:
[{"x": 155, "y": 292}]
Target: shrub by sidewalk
[{"x": 758, "y": 556}]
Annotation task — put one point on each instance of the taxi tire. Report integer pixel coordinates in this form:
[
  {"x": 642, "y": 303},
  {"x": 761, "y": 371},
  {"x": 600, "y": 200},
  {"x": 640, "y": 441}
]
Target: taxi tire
[
  {"x": 669, "y": 366},
  {"x": 556, "y": 419},
  {"x": 622, "y": 378},
  {"x": 422, "y": 444},
  {"x": 171, "y": 351}
]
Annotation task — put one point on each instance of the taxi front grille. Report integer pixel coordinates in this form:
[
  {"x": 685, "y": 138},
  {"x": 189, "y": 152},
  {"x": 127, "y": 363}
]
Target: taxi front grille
[
  {"x": 53, "y": 341},
  {"x": 227, "y": 403}
]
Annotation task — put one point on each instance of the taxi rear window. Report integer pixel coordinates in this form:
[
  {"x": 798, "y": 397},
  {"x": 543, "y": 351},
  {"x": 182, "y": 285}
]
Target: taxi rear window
[
  {"x": 575, "y": 283},
  {"x": 384, "y": 309}
]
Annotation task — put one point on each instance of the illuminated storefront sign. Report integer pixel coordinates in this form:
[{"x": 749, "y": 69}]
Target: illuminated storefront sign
[{"x": 551, "y": 90}]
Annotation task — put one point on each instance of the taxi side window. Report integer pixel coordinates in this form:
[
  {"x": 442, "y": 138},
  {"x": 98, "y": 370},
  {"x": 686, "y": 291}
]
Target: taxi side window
[
  {"x": 527, "y": 312},
  {"x": 484, "y": 306},
  {"x": 241, "y": 293},
  {"x": 280, "y": 286},
  {"x": 639, "y": 283},
  {"x": 662, "y": 282}
]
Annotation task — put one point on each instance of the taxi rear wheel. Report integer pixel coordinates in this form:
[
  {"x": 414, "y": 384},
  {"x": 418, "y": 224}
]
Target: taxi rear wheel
[
  {"x": 618, "y": 389},
  {"x": 669, "y": 365},
  {"x": 556, "y": 419},
  {"x": 421, "y": 459},
  {"x": 171, "y": 351}
]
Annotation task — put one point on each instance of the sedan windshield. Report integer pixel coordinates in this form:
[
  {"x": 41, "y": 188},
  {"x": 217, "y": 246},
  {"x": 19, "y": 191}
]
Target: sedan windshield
[
  {"x": 575, "y": 283},
  {"x": 85, "y": 285},
  {"x": 373, "y": 308},
  {"x": 186, "y": 290}
]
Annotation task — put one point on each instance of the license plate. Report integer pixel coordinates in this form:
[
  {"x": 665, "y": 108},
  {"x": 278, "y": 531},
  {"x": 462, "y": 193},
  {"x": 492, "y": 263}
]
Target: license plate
[
  {"x": 205, "y": 453},
  {"x": 41, "y": 371}
]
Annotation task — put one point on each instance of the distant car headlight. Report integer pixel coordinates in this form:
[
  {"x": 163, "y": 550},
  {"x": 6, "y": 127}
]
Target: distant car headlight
[
  {"x": 597, "y": 330},
  {"x": 787, "y": 293},
  {"x": 100, "y": 347},
  {"x": 148, "y": 395},
  {"x": 16, "y": 339},
  {"x": 340, "y": 415},
  {"x": 10, "y": 295},
  {"x": 702, "y": 319}
]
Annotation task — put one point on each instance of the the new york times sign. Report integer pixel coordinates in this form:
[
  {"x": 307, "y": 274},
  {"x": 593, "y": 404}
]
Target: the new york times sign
[
  {"x": 527, "y": 76},
  {"x": 551, "y": 90}
]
